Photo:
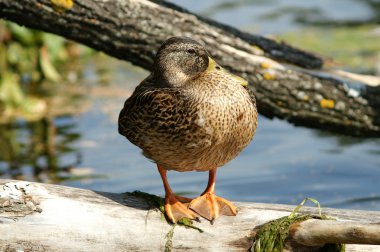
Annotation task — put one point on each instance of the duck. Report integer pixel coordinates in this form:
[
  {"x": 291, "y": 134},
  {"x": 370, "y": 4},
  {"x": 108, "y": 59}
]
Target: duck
[{"x": 190, "y": 114}]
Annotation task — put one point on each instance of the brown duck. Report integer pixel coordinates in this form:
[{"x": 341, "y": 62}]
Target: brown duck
[{"x": 190, "y": 114}]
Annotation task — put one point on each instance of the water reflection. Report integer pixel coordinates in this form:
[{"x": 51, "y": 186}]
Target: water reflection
[
  {"x": 42, "y": 150},
  {"x": 342, "y": 143}
]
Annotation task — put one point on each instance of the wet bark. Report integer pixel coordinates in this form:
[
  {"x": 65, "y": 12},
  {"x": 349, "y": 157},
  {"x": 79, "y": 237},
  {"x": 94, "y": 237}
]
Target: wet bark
[{"x": 288, "y": 82}]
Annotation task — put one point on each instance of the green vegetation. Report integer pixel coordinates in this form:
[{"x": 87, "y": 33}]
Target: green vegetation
[
  {"x": 354, "y": 48},
  {"x": 271, "y": 237},
  {"x": 28, "y": 59},
  {"x": 34, "y": 87}
]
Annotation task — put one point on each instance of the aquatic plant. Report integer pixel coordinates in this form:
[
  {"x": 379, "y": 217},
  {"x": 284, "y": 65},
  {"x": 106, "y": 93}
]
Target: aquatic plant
[{"x": 28, "y": 59}]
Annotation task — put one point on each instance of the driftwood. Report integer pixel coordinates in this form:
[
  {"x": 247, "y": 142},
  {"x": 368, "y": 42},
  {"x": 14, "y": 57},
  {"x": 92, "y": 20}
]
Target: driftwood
[
  {"x": 314, "y": 232},
  {"x": 42, "y": 217},
  {"x": 288, "y": 82}
]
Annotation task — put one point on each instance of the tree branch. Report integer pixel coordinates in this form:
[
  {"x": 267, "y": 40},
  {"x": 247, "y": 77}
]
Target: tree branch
[{"x": 133, "y": 30}]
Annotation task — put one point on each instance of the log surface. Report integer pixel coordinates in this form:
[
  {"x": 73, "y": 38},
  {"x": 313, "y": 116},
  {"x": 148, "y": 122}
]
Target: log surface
[
  {"x": 42, "y": 217},
  {"x": 287, "y": 81},
  {"x": 313, "y": 232}
]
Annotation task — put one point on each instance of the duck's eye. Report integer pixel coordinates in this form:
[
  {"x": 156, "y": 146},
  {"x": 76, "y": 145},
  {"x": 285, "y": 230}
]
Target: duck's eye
[
  {"x": 218, "y": 67},
  {"x": 191, "y": 51}
]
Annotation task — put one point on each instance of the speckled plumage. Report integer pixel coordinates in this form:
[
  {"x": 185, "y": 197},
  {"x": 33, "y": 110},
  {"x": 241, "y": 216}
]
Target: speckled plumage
[{"x": 189, "y": 113}]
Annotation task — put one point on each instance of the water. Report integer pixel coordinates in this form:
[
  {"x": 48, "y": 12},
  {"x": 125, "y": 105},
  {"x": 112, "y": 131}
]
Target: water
[
  {"x": 278, "y": 16},
  {"x": 283, "y": 164}
]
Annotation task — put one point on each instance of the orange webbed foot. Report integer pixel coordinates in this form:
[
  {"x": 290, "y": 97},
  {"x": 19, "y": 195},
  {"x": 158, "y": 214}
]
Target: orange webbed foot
[
  {"x": 210, "y": 206},
  {"x": 176, "y": 208}
]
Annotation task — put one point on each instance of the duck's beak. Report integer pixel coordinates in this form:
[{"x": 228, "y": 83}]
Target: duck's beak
[{"x": 213, "y": 66}]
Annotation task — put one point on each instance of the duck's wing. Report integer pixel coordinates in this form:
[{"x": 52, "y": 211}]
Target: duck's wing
[{"x": 151, "y": 113}]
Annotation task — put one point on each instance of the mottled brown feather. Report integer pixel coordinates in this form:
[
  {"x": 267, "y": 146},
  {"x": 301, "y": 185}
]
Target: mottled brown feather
[{"x": 198, "y": 125}]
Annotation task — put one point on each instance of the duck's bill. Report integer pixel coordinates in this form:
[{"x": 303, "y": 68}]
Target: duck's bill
[{"x": 212, "y": 66}]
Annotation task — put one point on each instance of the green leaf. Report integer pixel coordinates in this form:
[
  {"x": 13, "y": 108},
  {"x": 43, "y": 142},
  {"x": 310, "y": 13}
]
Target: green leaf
[
  {"x": 47, "y": 67},
  {"x": 22, "y": 34},
  {"x": 11, "y": 93}
]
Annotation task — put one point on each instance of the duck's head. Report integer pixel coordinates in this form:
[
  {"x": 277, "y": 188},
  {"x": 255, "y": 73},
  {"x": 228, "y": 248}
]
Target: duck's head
[{"x": 179, "y": 60}]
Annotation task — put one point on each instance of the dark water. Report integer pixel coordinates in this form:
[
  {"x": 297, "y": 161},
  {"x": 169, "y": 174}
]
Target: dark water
[{"x": 283, "y": 164}]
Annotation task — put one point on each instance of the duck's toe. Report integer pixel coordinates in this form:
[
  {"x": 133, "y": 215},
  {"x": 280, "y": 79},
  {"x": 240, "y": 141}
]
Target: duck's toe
[
  {"x": 176, "y": 208},
  {"x": 210, "y": 206}
]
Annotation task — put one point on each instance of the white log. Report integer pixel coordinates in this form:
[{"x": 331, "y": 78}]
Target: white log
[
  {"x": 42, "y": 217},
  {"x": 315, "y": 232}
]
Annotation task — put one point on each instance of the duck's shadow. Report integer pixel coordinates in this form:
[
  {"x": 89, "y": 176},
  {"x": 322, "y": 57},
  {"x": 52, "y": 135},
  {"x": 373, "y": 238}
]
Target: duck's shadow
[
  {"x": 137, "y": 199},
  {"x": 145, "y": 201}
]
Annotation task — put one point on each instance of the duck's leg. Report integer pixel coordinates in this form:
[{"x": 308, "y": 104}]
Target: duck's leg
[
  {"x": 210, "y": 206},
  {"x": 175, "y": 206}
]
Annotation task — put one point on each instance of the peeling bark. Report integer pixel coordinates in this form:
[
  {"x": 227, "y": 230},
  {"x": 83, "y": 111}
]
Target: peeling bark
[
  {"x": 16, "y": 200},
  {"x": 288, "y": 82}
]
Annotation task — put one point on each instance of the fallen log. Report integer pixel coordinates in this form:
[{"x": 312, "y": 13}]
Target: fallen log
[
  {"x": 316, "y": 232},
  {"x": 43, "y": 217},
  {"x": 288, "y": 82}
]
